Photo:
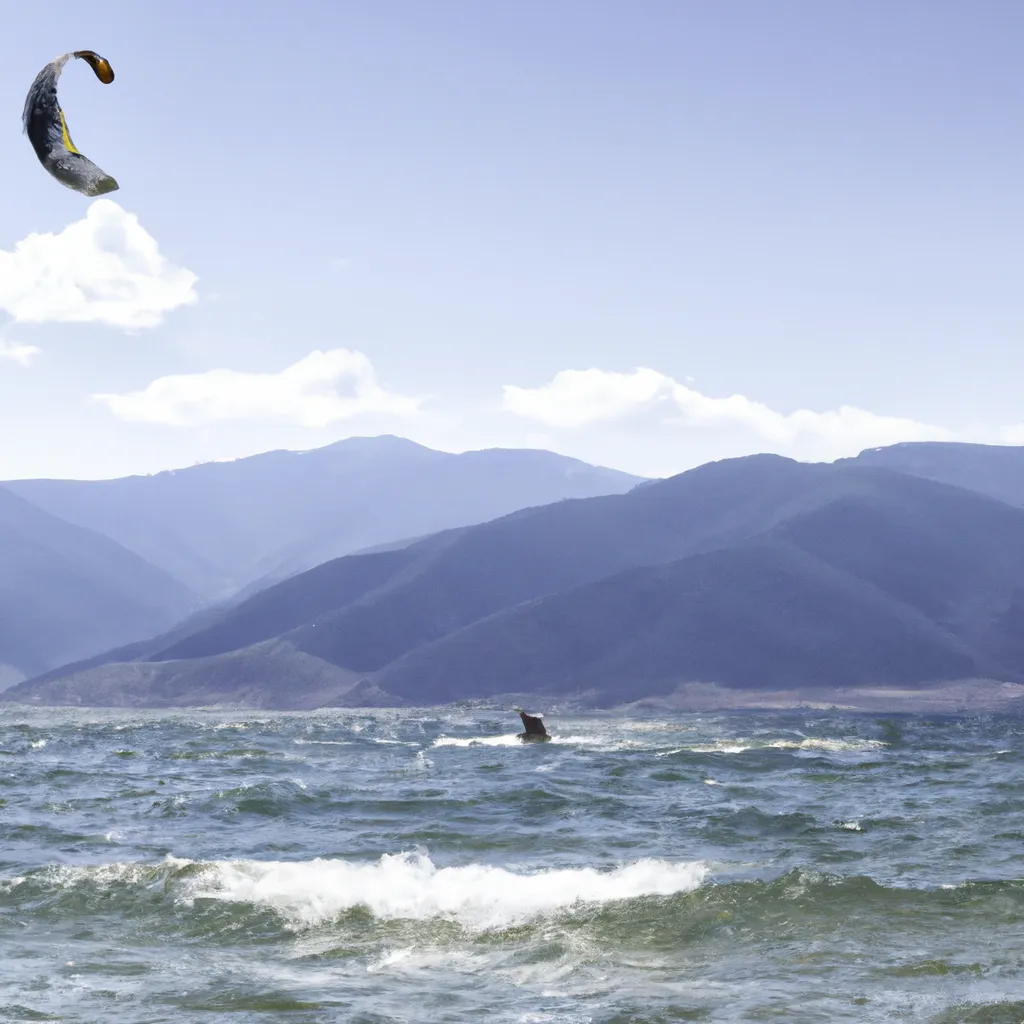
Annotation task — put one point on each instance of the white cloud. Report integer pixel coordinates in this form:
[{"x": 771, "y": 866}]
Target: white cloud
[
  {"x": 574, "y": 399},
  {"x": 105, "y": 268},
  {"x": 1011, "y": 434},
  {"x": 20, "y": 354},
  {"x": 320, "y": 389}
]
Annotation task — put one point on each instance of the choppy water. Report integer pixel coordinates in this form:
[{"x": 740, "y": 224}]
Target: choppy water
[{"x": 425, "y": 866}]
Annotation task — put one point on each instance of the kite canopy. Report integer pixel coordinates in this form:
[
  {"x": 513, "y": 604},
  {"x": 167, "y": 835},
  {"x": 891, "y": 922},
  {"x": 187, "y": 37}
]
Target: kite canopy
[{"x": 48, "y": 131}]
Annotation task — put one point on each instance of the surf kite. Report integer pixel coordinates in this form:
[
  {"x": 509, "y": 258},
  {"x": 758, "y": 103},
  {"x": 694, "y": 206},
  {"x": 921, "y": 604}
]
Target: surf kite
[{"x": 48, "y": 131}]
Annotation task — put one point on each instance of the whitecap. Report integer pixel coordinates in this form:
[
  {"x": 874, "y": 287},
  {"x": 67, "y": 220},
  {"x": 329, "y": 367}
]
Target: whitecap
[
  {"x": 412, "y": 958},
  {"x": 832, "y": 745},
  {"x": 740, "y": 746},
  {"x": 408, "y": 886},
  {"x": 510, "y": 740},
  {"x": 718, "y": 747},
  {"x": 506, "y": 740}
]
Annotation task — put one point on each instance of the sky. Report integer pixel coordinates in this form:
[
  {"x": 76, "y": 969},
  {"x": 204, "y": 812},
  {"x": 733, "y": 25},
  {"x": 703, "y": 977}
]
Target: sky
[{"x": 642, "y": 234}]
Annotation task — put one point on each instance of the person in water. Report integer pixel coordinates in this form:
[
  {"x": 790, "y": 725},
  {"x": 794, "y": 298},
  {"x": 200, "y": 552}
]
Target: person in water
[{"x": 534, "y": 727}]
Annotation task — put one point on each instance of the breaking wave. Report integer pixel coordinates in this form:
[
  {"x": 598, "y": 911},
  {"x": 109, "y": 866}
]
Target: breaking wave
[
  {"x": 505, "y": 740},
  {"x": 741, "y": 746},
  {"x": 404, "y": 886}
]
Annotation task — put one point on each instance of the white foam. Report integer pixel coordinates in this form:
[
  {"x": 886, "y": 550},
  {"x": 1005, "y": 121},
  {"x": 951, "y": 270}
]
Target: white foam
[
  {"x": 507, "y": 740},
  {"x": 37, "y": 744},
  {"x": 851, "y": 826},
  {"x": 836, "y": 746},
  {"x": 511, "y": 740},
  {"x": 718, "y": 747},
  {"x": 413, "y": 958},
  {"x": 410, "y": 887},
  {"x": 740, "y": 746},
  {"x": 65, "y": 876}
]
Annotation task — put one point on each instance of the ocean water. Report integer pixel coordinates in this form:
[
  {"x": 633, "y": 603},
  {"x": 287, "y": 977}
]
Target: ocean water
[{"x": 423, "y": 865}]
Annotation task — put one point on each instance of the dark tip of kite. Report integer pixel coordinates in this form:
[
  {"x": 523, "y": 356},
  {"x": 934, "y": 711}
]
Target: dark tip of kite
[{"x": 100, "y": 65}]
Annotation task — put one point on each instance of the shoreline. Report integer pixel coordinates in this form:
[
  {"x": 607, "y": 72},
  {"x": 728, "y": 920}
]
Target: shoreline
[{"x": 969, "y": 696}]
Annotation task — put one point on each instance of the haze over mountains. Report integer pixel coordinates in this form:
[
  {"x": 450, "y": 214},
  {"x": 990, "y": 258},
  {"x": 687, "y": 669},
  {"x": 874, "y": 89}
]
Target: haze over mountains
[
  {"x": 87, "y": 565},
  {"x": 66, "y": 592},
  {"x": 757, "y": 573},
  {"x": 220, "y": 527},
  {"x": 995, "y": 470}
]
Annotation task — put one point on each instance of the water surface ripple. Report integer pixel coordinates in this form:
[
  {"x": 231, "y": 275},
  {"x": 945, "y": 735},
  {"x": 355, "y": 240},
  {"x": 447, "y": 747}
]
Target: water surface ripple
[{"x": 423, "y": 865}]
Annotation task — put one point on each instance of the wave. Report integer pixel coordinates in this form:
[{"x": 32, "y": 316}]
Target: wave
[
  {"x": 505, "y": 740},
  {"x": 411, "y": 886},
  {"x": 407, "y": 897},
  {"x": 511, "y": 740},
  {"x": 741, "y": 746},
  {"x": 601, "y": 743},
  {"x": 404, "y": 886}
]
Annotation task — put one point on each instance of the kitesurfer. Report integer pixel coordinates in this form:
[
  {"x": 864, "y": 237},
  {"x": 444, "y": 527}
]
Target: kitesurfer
[{"x": 534, "y": 727}]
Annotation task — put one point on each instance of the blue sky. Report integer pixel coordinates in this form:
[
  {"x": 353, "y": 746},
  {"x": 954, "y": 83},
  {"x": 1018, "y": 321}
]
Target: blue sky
[{"x": 645, "y": 234}]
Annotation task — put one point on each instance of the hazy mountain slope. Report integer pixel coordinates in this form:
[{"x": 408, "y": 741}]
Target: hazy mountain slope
[
  {"x": 296, "y": 602},
  {"x": 220, "y": 526},
  {"x": 948, "y": 553},
  {"x": 268, "y": 676},
  {"x": 545, "y": 551},
  {"x": 995, "y": 470},
  {"x": 836, "y": 573},
  {"x": 757, "y": 615},
  {"x": 426, "y": 590},
  {"x": 66, "y": 592},
  {"x": 914, "y": 582}
]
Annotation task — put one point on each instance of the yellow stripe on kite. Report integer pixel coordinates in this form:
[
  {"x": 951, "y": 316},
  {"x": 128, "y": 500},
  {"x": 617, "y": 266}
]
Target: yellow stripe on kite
[{"x": 67, "y": 138}]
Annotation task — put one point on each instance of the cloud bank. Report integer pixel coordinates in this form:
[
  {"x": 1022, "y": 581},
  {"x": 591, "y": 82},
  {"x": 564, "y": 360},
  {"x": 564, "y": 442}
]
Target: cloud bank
[
  {"x": 320, "y": 389},
  {"x": 105, "y": 268},
  {"x": 575, "y": 402},
  {"x": 20, "y": 354}
]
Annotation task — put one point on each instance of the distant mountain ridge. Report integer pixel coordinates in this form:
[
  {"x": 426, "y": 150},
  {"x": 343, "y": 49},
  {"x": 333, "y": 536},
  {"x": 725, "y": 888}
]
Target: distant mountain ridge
[
  {"x": 995, "y": 470},
  {"x": 221, "y": 527},
  {"x": 66, "y": 591},
  {"x": 752, "y": 573}
]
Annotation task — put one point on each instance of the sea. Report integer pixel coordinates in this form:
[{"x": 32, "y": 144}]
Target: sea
[{"x": 425, "y": 865}]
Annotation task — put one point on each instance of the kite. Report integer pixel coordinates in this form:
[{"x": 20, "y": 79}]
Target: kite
[{"x": 48, "y": 131}]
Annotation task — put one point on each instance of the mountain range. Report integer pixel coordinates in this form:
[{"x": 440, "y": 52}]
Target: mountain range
[
  {"x": 87, "y": 565},
  {"x": 758, "y": 573},
  {"x": 223, "y": 526},
  {"x": 995, "y": 470},
  {"x": 66, "y": 592}
]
